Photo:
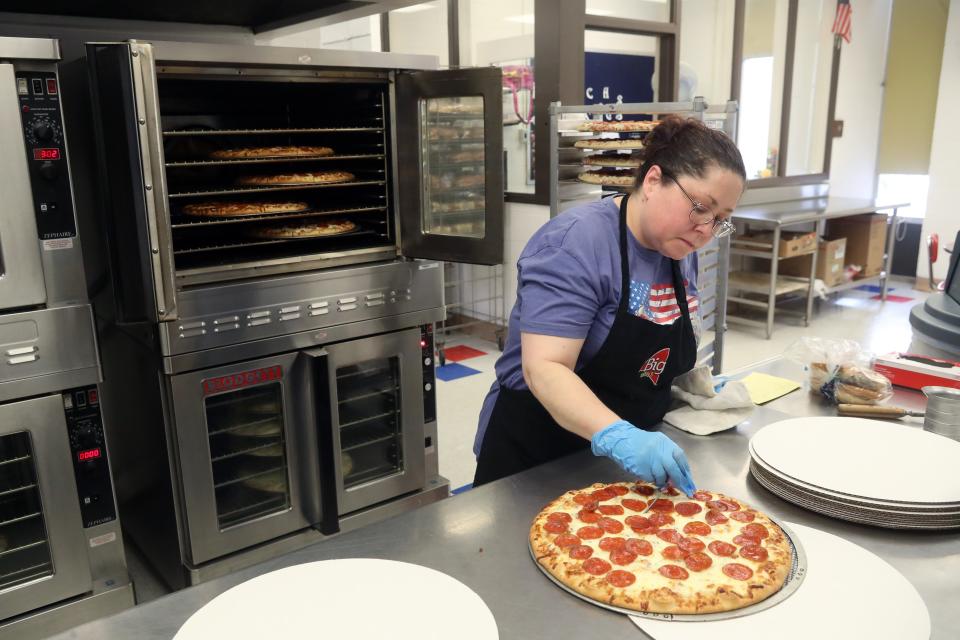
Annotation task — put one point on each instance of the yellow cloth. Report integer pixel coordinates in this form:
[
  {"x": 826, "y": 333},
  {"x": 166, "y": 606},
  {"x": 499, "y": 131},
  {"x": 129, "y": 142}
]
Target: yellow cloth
[{"x": 764, "y": 388}]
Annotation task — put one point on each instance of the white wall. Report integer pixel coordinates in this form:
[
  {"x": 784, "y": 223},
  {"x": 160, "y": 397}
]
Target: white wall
[
  {"x": 361, "y": 34},
  {"x": 944, "y": 193},
  {"x": 706, "y": 48},
  {"x": 423, "y": 31},
  {"x": 853, "y": 165}
]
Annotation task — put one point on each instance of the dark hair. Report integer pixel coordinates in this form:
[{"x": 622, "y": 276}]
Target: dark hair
[{"x": 688, "y": 147}]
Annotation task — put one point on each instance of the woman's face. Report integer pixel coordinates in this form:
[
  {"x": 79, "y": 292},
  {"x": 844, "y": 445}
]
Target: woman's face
[{"x": 666, "y": 225}]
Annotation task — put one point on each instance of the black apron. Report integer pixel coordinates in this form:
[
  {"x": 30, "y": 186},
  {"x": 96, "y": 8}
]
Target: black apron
[{"x": 630, "y": 374}]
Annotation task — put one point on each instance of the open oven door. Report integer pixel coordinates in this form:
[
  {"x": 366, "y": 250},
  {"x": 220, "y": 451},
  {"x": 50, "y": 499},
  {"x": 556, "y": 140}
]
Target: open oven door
[{"x": 450, "y": 157}]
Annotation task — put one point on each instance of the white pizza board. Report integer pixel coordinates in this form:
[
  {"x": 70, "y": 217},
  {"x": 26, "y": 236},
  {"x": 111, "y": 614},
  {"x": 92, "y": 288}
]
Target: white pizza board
[
  {"x": 848, "y": 592},
  {"x": 867, "y": 458},
  {"x": 356, "y": 598}
]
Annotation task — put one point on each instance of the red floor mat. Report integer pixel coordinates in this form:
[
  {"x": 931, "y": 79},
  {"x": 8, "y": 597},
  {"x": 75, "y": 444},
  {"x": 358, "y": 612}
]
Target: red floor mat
[{"x": 461, "y": 352}]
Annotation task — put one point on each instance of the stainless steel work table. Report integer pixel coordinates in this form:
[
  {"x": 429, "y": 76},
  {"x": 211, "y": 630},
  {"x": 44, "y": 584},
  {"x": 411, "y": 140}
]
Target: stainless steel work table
[
  {"x": 480, "y": 538},
  {"x": 778, "y": 216}
]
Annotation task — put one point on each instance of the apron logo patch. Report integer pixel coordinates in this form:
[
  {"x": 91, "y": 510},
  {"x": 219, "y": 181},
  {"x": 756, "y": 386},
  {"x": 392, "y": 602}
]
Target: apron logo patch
[{"x": 655, "y": 365}]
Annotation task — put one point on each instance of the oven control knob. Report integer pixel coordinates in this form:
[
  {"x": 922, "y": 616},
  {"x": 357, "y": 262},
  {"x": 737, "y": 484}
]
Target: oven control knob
[
  {"x": 43, "y": 131},
  {"x": 49, "y": 170}
]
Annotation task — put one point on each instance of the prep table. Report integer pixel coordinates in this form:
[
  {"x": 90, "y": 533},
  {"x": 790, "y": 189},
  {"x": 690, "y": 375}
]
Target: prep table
[{"x": 480, "y": 538}]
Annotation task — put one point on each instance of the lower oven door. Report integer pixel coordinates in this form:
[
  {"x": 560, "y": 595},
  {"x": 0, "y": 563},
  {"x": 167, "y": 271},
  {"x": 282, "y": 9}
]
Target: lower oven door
[
  {"x": 376, "y": 409},
  {"x": 43, "y": 555},
  {"x": 239, "y": 445}
]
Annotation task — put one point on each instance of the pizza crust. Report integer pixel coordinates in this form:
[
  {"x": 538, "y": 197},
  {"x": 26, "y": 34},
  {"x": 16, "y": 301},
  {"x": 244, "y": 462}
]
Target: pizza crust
[
  {"x": 618, "y": 125},
  {"x": 240, "y": 209},
  {"x": 270, "y": 152},
  {"x": 305, "y": 230},
  {"x": 609, "y": 143},
  {"x": 611, "y": 177},
  {"x": 616, "y": 160},
  {"x": 308, "y": 177},
  {"x": 706, "y": 591}
]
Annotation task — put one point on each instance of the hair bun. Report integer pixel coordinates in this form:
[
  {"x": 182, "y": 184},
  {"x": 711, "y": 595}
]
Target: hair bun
[{"x": 687, "y": 146}]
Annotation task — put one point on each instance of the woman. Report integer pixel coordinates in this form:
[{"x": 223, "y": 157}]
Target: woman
[{"x": 593, "y": 343}]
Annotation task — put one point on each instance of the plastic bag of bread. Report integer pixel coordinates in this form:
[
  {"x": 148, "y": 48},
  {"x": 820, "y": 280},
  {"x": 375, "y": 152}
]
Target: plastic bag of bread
[{"x": 840, "y": 371}]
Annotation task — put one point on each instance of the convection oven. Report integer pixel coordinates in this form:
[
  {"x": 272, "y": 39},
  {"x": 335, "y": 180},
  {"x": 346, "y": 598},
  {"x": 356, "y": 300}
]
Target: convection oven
[
  {"x": 61, "y": 555},
  {"x": 276, "y": 220}
]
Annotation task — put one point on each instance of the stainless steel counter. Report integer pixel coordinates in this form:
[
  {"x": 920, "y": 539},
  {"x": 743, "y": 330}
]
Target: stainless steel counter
[{"x": 480, "y": 538}]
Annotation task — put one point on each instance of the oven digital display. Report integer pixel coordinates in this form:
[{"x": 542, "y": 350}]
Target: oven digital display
[
  {"x": 46, "y": 154},
  {"x": 89, "y": 454}
]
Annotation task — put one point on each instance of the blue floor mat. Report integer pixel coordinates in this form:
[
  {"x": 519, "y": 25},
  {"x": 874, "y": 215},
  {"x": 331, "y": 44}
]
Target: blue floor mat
[
  {"x": 453, "y": 371},
  {"x": 872, "y": 288},
  {"x": 465, "y": 487}
]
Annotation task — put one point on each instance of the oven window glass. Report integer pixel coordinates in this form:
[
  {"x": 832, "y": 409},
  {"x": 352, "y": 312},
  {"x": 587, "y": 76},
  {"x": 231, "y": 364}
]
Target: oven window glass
[
  {"x": 24, "y": 546},
  {"x": 368, "y": 395},
  {"x": 248, "y": 455},
  {"x": 452, "y": 134}
]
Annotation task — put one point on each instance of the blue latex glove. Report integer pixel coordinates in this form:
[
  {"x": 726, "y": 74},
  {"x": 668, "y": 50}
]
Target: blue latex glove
[{"x": 649, "y": 455}]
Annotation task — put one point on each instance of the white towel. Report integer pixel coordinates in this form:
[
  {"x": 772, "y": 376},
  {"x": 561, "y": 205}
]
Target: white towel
[{"x": 701, "y": 410}]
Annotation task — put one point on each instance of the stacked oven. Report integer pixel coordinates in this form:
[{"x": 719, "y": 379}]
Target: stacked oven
[
  {"x": 61, "y": 555},
  {"x": 270, "y": 341}
]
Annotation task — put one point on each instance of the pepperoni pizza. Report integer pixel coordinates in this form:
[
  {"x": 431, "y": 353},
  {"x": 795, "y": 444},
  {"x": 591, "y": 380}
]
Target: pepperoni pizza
[{"x": 702, "y": 555}]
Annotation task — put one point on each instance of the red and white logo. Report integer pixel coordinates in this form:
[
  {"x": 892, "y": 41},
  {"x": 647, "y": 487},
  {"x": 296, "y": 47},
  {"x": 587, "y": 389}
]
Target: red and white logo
[{"x": 655, "y": 365}]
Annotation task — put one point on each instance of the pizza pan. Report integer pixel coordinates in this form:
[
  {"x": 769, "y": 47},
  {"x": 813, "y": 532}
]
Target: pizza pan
[
  {"x": 850, "y": 498},
  {"x": 798, "y": 570}
]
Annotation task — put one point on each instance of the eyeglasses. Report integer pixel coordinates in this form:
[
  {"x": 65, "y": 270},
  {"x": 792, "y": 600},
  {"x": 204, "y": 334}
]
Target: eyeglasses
[{"x": 700, "y": 214}]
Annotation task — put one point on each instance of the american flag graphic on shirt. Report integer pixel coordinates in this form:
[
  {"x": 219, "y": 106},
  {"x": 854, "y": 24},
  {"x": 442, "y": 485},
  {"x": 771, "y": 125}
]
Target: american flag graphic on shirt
[{"x": 657, "y": 302}]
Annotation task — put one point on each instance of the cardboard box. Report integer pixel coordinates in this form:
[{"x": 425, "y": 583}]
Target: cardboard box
[
  {"x": 792, "y": 243},
  {"x": 914, "y": 372},
  {"x": 866, "y": 240},
  {"x": 830, "y": 263}
]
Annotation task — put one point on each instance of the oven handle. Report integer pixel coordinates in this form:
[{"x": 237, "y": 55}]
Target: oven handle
[{"x": 323, "y": 403}]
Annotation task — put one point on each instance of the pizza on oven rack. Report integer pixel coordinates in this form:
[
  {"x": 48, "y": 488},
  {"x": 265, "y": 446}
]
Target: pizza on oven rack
[
  {"x": 307, "y": 177},
  {"x": 609, "y": 143},
  {"x": 612, "y": 177},
  {"x": 612, "y": 160},
  {"x": 240, "y": 209},
  {"x": 618, "y": 125},
  {"x": 315, "y": 229},
  {"x": 270, "y": 152},
  {"x": 704, "y": 554}
]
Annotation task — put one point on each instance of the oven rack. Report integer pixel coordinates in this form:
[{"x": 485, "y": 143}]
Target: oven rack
[
  {"x": 453, "y": 117},
  {"x": 367, "y": 443},
  {"x": 248, "y": 450},
  {"x": 22, "y": 458},
  {"x": 353, "y": 423},
  {"x": 276, "y": 159},
  {"x": 272, "y": 188},
  {"x": 29, "y": 573},
  {"x": 234, "y": 481},
  {"x": 25, "y": 487},
  {"x": 241, "y": 425},
  {"x": 192, "y": 223},
  {"x": 370, "y": 394},
  {"x": 368, "y": 474},
  {"x": 20, "y": 518},
  {"x": 265, "y": 243},
  {"x": 433, "y": 144},
  {"x": 458, "y": 191},
  {"x": 255, "y": 508},
  {"x": 172, "y": 133},
  {"x": 23, "y": 547}
]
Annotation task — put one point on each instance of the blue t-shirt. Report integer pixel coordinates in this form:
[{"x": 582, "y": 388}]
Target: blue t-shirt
[{"x": 568, "y": 285}]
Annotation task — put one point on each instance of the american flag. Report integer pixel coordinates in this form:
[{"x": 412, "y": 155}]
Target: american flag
[
  {"x": 657, "y": 302},
  {"x": 841, "y": 23}
]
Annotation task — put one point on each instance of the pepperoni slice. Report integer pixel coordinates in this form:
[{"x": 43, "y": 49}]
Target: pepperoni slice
[
  {"x": 592, "y": 505},
  {"x": 721, "y": 548},
  {"x": 738, "y": 571},
  {"x": 611, "y": 543},
  {"x": 580, "y": 551},
  {"x": 590, "y": 532},
  {"x": 590, "y": 517},
  {"x": 555, "y": 526},
  {"x": 697, "y": 528},
  {"x": 714, "y": 517},
  {"x": 633, "y": 504},
  {"x": 755, "y": 531},
  {"x": 622, "y": 556},
  {"x": 723, "y": 505},
  {"x": 692, "y": 545},
  {"x": 669, "y": 535},
  {"x": 619, "y": 489},
  {"x": 662, "y": 505},
  {"x": 582, "y": 498},
  {"x": 673, "y": 552},
  {"x": 596, "y": 566},
  {"x": 671, "y": 491},
  {"x": 639, "y": 547},
  {"x": 661, "y": 519},
  {"x": 603, "y": 494},
  {"x": 610, "y": 525},
  {"x": 560, "y": 516},
  {"x": 621, "y": 578},
  {"x": 673, "y": 572},
  {"x": 688, "y": 508},
  {"x": 639, "y": 522},
  {"x": 741, "y": 540},
  {"x": 566, "y": 540},
  {"x": 702, "y": 496},
  {"x": 644, "y": 490},
  {"x": 754, "y": 552},
  {"x": 697, "y": 561},
  {"x": 742, "y": 516},
  {"x": 611, "y": 510}
]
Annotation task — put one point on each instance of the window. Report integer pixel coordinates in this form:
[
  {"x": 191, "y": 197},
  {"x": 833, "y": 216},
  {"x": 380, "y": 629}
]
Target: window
[{"x": 421, "y": 28}]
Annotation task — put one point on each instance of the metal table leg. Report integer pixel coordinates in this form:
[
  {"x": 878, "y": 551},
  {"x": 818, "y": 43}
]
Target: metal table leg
[
  {"x": 774, "y": 266},
  {"x": 888, "y": 263}
]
